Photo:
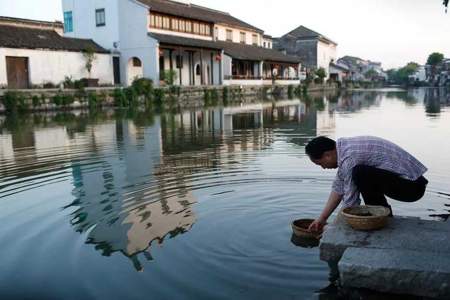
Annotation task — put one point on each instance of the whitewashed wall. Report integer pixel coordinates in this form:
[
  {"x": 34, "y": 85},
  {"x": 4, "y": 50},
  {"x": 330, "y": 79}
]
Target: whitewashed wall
[
  {"x": 221, "y": 34},
  {"x": 325, "y": 54},
  {"x": 134, "y": 40},
  {"x": 84, "y": 26},
  {"x": 181, "y": 34},
  {"x": 126, "y": 28},
  {"x": 269, "y": 43},
  {"x": 53, "y": 66}
]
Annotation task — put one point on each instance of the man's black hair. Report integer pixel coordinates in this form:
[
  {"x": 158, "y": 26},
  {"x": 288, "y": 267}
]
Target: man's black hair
[{"x": 317, "y": 146}]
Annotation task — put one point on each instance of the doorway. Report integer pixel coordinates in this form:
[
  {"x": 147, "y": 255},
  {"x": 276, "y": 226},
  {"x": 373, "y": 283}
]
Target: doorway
[
  {"x": 17, "y": 72},
  {"x": 116, "y": 70}
]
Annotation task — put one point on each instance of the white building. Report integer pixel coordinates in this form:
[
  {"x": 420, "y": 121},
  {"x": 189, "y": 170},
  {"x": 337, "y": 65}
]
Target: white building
[
  {"x": 201, "y": 46},
  {"x": 33, "y": 53}
]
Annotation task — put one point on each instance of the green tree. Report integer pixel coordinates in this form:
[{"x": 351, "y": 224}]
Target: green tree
[
  {"x": 170, "y": 76},
  {"x": 321, "y": 73},
  {"x": 371, "y": 74},
  {"x": 89, "y": 56},
  {"x": 435, "y": 58},
  {"x": 401, "y": 76}
]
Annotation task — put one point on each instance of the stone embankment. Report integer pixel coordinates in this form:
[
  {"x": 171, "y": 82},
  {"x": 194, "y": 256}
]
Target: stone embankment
[
  {"x": 186, "y": 97},
  {"x": 410, "y": 256}
]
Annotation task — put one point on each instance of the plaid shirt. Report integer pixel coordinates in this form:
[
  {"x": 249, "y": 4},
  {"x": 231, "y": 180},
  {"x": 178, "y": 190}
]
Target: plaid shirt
[{"x": 374, "y": 152}]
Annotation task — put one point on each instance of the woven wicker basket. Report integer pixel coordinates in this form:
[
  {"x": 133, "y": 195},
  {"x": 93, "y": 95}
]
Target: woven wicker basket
[
  {"x": 366, "y": 217},
  {"x": 300, "y": 229}
]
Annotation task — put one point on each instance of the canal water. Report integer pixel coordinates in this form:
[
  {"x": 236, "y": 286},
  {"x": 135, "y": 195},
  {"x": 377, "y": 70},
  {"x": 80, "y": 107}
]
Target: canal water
[{"x": 192, "y": 204}]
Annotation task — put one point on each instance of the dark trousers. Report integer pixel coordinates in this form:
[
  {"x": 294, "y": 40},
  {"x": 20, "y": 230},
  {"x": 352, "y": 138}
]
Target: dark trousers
[{"x": 374, "y": 184}]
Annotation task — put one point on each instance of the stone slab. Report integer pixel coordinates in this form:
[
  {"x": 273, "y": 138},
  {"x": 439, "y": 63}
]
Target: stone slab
[
  {"x": 397, "y": 271},
  {"x": 407, "y": 233}
]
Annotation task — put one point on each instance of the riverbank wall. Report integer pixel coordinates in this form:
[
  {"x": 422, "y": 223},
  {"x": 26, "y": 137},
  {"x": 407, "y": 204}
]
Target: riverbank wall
[{"x": 34, "y": 100}]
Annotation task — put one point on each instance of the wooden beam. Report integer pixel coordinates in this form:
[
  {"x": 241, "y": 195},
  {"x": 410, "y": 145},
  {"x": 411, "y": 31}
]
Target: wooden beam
[
  {"x": 180, "y": 53},
  {"x": 212, "y": 69}
]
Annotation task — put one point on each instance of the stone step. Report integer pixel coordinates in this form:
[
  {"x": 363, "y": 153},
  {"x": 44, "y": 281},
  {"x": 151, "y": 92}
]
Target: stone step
[
  {"x": 397, "y": 271},
  {"x": 401, "y": 233}
]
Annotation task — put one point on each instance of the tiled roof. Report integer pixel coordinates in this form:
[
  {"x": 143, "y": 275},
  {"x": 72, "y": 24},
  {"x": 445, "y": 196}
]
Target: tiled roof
[
  {"x": 303, "y": 32},
  {"x": 174, "y": 40},
  {"x": 193, "y": 11},
  {"x": 248, "y": 52},
  {"x": 235, "y": 50},
  {"x": 56, "y": 24},
  {"x": 340, "y": 66},
  {"x": 31, "y": 38}
]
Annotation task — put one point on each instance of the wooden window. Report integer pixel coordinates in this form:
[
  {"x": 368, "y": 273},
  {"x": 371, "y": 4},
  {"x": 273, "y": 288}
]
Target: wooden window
[
  {"x": 166, "y": 23},
  {"x": 264, "y": 44},
  {"x": 175, "y": 25},
  {"x": 229, "y": 35},
  {"x": 100, "y": 19},
  {"x": 196, "y": 28},
  {"x": 202, "y": 29},
  {"x": 158, "y": 21},
  {"x": 152, "y": 21},
  {"x": 207, "y": 29},
  {"x": 197, "y": 70},
  {"x": 255, "y": 39},
  {"x": 188, "y": 26},
  {"x": 242, "y": 37},
  {"x": 182, "y": 24}
]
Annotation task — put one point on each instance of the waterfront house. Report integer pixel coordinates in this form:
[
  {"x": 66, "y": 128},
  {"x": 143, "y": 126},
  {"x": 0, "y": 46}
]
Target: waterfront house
[
  {"x": 339, "y": 72},
  {"x": 419, "y": 76},
  {"x": 360, "y": 68},
  {"x": 314, "y": 49},
  {"x": 195, "y": 44},
  {"x": 438, "y": 75},
  {"x": 33, "y": 53}
]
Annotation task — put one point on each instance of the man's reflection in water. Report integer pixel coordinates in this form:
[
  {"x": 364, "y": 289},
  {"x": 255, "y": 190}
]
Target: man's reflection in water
[{"x": 331, "y": 291}]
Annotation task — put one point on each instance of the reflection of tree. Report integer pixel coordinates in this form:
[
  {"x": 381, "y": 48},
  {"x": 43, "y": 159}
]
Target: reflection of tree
[
  {"x": 433, "y": 99},
  {"x": 354, "y": 101},
  {"x": 406, "y": 96}
]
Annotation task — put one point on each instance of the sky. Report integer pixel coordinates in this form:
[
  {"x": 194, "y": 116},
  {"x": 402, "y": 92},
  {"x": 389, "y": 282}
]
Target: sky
[{"x": 393, "y": 32}]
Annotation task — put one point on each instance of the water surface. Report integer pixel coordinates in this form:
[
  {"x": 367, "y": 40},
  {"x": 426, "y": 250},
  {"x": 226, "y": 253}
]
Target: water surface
[{"x": 193, "y": 204}]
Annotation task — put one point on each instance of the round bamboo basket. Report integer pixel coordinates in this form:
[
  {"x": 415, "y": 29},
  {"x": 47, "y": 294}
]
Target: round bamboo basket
[
  {"x": 366, "y": 217},
  {"x": 300, "y": 229}
]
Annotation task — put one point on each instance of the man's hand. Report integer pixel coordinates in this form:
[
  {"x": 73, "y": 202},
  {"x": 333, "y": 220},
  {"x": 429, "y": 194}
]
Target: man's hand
[
  {"x": 317, "y": 225},
  {"x": 333, "y": 201}
]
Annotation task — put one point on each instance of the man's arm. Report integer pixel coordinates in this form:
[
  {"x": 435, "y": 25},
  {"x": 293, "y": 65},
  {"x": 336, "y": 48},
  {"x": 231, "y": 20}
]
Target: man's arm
[{"x": 333, "y": 201}]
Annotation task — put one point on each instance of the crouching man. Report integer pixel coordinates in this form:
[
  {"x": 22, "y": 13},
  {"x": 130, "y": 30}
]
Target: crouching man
[{"x": 370, "y": 166}]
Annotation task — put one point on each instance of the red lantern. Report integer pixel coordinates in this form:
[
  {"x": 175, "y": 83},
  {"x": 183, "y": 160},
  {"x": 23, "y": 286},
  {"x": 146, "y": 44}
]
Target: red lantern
[{"x": 218, "y": 57}]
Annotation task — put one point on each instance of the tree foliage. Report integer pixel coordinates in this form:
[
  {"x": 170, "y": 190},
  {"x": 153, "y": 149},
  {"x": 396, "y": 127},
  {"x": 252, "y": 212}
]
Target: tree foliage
[
  {"x": 321, "y": 73},
  {"x": 371, "y": 74},
  {"x": 401, "y": 76},
  {"x": 435, "y": 58},
  {"x": 90, "y": 57}
]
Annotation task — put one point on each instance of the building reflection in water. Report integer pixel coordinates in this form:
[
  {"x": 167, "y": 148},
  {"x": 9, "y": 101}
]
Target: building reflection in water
[
  {"x": 132, "y": 175},
  {"x": 141, "y": 192}
]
